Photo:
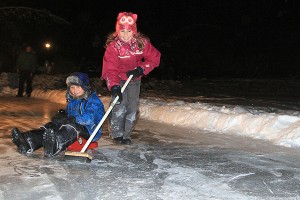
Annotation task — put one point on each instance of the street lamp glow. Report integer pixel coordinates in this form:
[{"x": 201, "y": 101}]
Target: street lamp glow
[{"x": 47, "y": 45}]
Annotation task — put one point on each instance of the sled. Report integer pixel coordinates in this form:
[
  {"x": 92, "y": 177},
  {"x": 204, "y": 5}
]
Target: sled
[
  {"x": 74, "y": 149},
  {"x": 79, "y": 144}
]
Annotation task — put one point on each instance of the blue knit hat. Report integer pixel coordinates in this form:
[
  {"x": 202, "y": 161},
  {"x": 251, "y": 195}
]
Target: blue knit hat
[{"x": 80, "y": 79}]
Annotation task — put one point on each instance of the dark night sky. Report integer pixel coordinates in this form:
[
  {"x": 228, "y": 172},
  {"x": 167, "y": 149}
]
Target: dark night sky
[{"x": 224, "y": 38}]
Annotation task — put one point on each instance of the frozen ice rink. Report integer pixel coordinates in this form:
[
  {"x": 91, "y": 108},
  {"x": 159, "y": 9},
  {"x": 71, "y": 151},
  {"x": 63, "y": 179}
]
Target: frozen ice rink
[{"x": 164, "y": 162}]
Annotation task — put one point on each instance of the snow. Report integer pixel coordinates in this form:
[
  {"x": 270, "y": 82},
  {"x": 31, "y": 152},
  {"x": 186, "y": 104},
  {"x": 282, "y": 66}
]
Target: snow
[
  {"x": 199, "y": 146},
  {"x": 279, "y": 126},
  {"x": 281, "y": 129}
]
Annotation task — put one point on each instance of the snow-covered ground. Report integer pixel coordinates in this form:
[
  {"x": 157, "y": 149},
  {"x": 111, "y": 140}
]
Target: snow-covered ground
[
  {"x": 191, "y": 141},
  {"x": 260, "y": 109}
]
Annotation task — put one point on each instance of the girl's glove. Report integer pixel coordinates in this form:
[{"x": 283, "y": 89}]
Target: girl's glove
[
  {"x": 116, "y": 91},
  {"x": 136, "y": 72}
]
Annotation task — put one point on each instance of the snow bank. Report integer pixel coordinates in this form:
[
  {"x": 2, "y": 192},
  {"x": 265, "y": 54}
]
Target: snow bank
[{"x": 281, "y": 128}]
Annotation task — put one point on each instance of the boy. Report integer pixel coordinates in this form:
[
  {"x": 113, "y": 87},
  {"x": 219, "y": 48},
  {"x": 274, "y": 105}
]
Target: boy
[{"x": 81, "y": 116}]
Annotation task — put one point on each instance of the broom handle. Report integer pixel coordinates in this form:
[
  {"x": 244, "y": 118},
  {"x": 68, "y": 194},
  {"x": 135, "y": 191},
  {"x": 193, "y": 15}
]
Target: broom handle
[{"x": 105, "y": 116}]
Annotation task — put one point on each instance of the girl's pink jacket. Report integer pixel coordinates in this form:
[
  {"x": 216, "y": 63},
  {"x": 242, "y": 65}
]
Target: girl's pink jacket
[{"x": 121, "y": 57}]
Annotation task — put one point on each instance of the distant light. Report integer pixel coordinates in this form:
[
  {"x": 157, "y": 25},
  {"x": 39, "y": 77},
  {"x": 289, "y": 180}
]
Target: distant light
[{"x": 47, "y": 45}]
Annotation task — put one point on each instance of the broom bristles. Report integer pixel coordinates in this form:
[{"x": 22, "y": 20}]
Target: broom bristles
[{"x": 74, "y": 155}]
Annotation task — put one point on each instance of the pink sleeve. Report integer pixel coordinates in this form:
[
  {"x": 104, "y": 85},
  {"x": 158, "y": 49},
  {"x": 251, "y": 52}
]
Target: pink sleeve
[
  {"x": 151, "y": 58},
  {"x": 110, "y": 69}
]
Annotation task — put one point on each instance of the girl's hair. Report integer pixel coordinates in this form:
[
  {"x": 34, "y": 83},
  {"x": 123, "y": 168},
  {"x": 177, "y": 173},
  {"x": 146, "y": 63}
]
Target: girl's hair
[{"x": 139, "y": 38}]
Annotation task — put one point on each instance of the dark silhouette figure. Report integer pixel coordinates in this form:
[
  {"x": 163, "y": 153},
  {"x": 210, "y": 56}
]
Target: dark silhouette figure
[{"x": 26, "y": 65}]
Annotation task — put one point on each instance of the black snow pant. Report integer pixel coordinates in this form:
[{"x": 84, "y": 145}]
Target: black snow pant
[
  {"x": 54, "y": 137},
  {"x": 123, "y": 116},
  {"x": 57, "y": 138}
]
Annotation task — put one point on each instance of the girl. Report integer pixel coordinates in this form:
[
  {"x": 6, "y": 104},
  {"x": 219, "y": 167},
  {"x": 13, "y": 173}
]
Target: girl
[{"x": 127, "y": 53}]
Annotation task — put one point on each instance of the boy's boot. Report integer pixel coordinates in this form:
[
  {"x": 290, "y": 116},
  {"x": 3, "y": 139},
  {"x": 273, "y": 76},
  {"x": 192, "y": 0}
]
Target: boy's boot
[{"x": 29, "y": 141}]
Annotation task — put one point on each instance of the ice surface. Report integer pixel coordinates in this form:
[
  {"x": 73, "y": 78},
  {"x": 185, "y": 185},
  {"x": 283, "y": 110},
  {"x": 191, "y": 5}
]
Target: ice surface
[{"x": 182, "y": 149}]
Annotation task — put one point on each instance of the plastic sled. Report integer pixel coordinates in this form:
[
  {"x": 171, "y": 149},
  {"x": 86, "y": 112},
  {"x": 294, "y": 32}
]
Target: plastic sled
[{"x": 79, "y": 143}]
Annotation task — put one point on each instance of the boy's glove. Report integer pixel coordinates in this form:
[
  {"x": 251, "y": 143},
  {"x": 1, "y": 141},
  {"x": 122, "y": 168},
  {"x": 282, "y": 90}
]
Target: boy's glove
[
  {"x": 71, "y": 120},
  {"x": 136, "y": 72},
  {"x": 59, "y": 118},
  {"x": 116, "y": 91}
]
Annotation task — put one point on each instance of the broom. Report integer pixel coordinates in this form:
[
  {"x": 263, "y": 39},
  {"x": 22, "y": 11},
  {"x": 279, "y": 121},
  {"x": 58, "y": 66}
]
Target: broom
[{"x": 82, "y": 155}]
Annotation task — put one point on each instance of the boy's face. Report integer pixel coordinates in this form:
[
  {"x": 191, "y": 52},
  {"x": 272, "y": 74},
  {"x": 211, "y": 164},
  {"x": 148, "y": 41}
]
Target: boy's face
[{"x": 76, "y": 91}]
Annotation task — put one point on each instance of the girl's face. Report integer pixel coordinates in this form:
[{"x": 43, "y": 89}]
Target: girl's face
[
  {"x": 76, "y": 91},
  {"x": 125, "y": 35}
]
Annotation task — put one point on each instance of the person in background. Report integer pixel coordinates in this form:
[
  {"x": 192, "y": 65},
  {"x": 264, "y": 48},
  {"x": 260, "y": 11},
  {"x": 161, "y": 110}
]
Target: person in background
[
  {"x": 81, "y": 116},
  {"x": 128, "y": 52},
  {"x": 27, "y": 64}
]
